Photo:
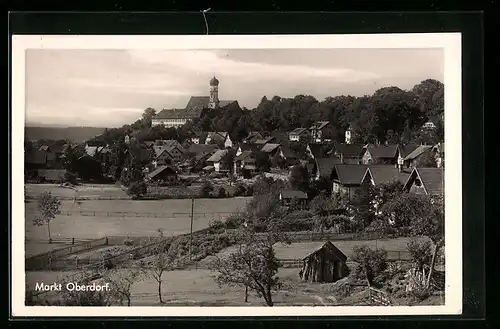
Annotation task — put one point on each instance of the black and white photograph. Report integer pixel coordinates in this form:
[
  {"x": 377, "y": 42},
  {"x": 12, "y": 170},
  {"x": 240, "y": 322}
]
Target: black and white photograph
[{"x": 236, "y": 175}]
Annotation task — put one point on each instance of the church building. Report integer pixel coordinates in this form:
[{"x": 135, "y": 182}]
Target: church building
[{"x": 194, "y": 109}]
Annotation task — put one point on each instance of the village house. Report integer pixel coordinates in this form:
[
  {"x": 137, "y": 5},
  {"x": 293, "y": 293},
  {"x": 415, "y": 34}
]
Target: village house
[
  {"x": 289, "y": 196},
  {"x": 244, "y": 164},
  {"x": 161, "y": 156},
  {"x": 299, "y": 135},
  {"x": 291, "y": 158},
  {"x": 272, "y": 150},
  {"x": 34, "y": 161},
  {"x": 280, "y": 137},
  {"x": 51, "y": 175},
  {"x": 321, "y": 131},
  {"x": 248, "y": 147},
  {"x": 347, "y": 178},
  {"x": 380, "y": 154},
  {"x": 427, "y": 181},
  {"x": 322, "y": 262},
  {"x": 381, "y": 174},
  {"x": 161, "y": 174},
  {"x": 438, "y": 150},
  {"x": 265, "y": 140},
  {"x": 215, "y": 161},
  {"x": 194, "y": 109},
  {"x": 422, "y": 156},
  {"x": 252, "y": 137},
  {"x": 315, "y": 150},
  {"x": 323, "y": 167},
  {"x": 348, "y": 153}
]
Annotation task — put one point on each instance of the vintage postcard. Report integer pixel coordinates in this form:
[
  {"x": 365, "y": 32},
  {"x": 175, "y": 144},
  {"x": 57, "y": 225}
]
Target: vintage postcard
[{"x": 297, "y": 175}]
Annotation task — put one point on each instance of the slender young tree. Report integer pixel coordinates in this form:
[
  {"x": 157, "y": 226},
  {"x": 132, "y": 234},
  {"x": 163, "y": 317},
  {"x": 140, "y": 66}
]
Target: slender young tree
[{"x": 48, "y": 205}]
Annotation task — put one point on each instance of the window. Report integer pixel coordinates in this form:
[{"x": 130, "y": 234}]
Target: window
[{"x": 418, "y": 182}]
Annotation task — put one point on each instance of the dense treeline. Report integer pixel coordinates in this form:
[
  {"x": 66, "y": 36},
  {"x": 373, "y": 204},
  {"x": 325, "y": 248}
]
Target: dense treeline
[{"x": 390, "y": 114}]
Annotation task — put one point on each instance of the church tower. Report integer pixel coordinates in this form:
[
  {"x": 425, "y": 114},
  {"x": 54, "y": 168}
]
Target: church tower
[{"x": 214, "y": 93}]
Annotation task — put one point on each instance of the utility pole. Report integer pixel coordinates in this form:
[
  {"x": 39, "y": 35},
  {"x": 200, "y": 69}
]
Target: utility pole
[{"x": 191, "y": 231}]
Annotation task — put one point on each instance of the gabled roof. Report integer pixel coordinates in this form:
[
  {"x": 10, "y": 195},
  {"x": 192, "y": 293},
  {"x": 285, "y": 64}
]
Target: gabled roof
[
  {"x": 92, "y": 150},
  {"x": 159, "y": 149},
  {"x": 243, "y": 155},
  {"x": 386, "y": 174},
  {"x": 197, "y": 103},
  {"x": 198, "y": 148},
  {"x": 299, "y": 131},
  {"x": 383, "y": 151},
  {"x": 217, "y": 156},
  {"x": 159, "y": 170},
  {"x": 432, "y": 180},
  {"x": 226, "y": 103},
  {"x": 253, "y": 136},
  {"x": 319, "y": 125},
  {"x": 168, "y": 143},
  {"x": 325, "y": 166},
  {"x": 352, "y": 150},
  {"x": 292, "y": 194},
  {"x": 418, "y": 152},
  {"x": 250, "y": 147},
  {"x": 44, "y": 148},
  {"x": 268, "y": 148},
  {"x": 407, "y": 149},
  {"x": 265, "y": 140},
  {"x": 349, "y": 174}
]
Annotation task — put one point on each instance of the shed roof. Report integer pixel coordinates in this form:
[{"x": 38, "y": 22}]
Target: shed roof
[{"x": 293, "y": 194}]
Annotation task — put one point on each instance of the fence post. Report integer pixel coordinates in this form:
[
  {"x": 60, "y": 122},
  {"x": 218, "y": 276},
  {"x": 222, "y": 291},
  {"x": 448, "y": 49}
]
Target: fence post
[{"x": 73, "y": 240}]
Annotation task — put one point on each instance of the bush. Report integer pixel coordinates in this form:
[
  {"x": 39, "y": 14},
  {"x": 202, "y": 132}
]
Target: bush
[
  {"x": 137, "y": 189},
  {"x": 380, "y": 228},
  {"x": 420, "y": 252},
  {"x": 216, "y": 226},
  {"x": 128, "y": 242},
  {"x": 234, "y": 221},
  {"x": 296, "y": 221},
  {"x": 240, "y": 190},
  {"x": 221, "y": 193},
  {"x": 371, "y": 262},
  {"x": 70, "y": 178},
  {"x": 206, "y": 189}
]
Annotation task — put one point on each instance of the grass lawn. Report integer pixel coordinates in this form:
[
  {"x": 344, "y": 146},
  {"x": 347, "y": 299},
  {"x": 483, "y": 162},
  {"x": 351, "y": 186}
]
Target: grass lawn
[
  {"x": 301, "y": 249},
  {"x": 34, "y": 248}
]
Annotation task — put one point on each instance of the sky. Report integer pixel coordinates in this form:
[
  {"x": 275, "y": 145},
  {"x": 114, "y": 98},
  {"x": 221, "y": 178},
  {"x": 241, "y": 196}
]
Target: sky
[{"x": 110, "y": 88}]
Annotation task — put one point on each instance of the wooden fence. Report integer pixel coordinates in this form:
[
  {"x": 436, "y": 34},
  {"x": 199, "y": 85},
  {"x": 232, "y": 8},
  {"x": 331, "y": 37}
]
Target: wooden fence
[
  {"x": 131, "y": 214},
  {"x": 43, "y": 261},
  {"x": 378, "y": 297}
]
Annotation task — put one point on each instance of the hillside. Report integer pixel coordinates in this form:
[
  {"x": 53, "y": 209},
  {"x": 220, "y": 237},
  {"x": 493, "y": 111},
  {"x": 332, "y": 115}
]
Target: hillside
[{"x": 76, "y": 134}]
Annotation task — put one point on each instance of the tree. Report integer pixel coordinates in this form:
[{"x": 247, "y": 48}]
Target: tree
[
  {"x": 371, "y": 262},
  {"x": 299, "y": 178},
  {"x": 227, "y": 160},
  {"x": 161, "y": 261},
  {"x": 424, "y": 215},
  {"x": 420, "y": 252},
  {"x": 138, "y": 189},
  {"x": 254, "y": 265},
  {"x": 48, "y": 205},
  {"x": 147, "y": 116},
  {"x": 121, "y": 282},
  {"x": 206, "y": 189},
  {"x": 362, "y": 203}
]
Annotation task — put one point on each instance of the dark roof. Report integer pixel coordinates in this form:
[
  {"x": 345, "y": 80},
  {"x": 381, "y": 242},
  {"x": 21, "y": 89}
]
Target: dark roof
[
  {"x": 250, "y": 147},
  {"x": 407, "y": 149},
  {"x": 265, "y": 140},
  {"x": 349, "y": 149},
  {"x": 44, "y": 148},
  {"x": 268, "y": 148},
  {"x": 383, "y": 151},
  {"x": 288, "y": 153},
  {"x": 243, "y": 155},
  {"x": 325, "y": 166},
  {"x": 418, "y": 152},
  {"x": 197, "y": 103},
  {"x": 319, "y": 125},
  {"x": 432, "y": 179},
  {"x": 217, "y": 156},
  {"x": 169, "y": 143},
  {"x": 253, "y": 136},
  {"x": 280, "y": 136},
  {"x": 199, "y": 148},
  {"x": 159, "y": 170},
  {"x": 350, "y": 174},
  {"x": 329, "y": 248},
  {"x": 36, "y": 157},
  {"x": 386, "y": 174},
  {"x": 298, "y": 131},
  {"x": 293, "y": 194},
  {"x": 318, "y": 150},
  {"x": 226, "y": 103}
]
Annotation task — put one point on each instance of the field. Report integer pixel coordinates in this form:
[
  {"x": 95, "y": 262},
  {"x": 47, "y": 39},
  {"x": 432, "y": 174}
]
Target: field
[{"x": 83, "y": 191}]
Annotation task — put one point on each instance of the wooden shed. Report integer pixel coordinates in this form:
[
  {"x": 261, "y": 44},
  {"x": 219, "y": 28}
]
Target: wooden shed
[{"x": 324, "y": 264}]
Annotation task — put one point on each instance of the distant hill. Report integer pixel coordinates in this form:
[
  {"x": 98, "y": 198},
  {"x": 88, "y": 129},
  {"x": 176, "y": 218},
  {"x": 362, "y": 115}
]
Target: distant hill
[{"x": 76, "y": 134}]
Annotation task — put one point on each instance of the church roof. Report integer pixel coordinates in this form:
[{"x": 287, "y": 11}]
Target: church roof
[{"x": 214, "y": 81}]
